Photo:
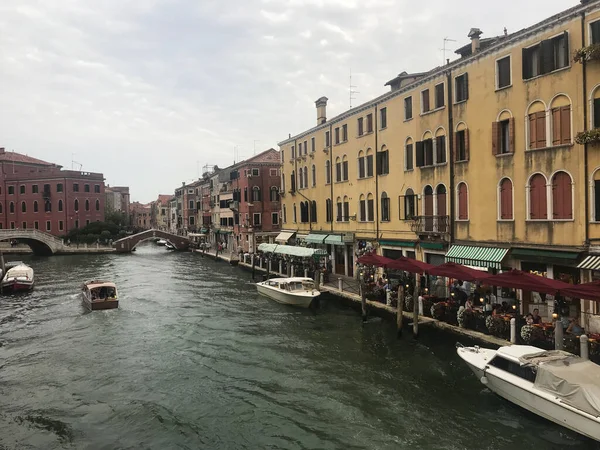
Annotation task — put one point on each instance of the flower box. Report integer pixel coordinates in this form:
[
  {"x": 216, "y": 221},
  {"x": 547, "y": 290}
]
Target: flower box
[
  {"x": 588, "y": 137},
  {"x": 589, "y": 53}
]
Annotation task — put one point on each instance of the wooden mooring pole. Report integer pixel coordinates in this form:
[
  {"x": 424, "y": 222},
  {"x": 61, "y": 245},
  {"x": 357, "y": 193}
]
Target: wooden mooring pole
[
  {"x": 363, "y": 301},
  {"x": 416, "y": 305},
  {"x": 253, "y": 265},
  {"x": 399, "y": 309},
  {"x": 3, "y": 267}
]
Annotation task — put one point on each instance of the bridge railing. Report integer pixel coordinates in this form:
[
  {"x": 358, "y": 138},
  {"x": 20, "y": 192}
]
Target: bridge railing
[{"x": 40, "y": 235}]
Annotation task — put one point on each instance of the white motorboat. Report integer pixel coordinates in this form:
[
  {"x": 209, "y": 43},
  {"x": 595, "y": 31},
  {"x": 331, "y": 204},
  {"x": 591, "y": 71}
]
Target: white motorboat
[
  {"x": 19, "y": 277},
  {"x": 161, "y": 242},
  {"x": 169, "y": 246},
  {"x": 556, "y": 385},
  {"x": 289, "y": 291}
]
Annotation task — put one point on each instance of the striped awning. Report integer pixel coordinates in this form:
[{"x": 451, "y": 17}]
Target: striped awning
[
  {"x": 477, "y": 256},
  {"x": 284, "y": 236},
  {"x": 592, "y": 262}
]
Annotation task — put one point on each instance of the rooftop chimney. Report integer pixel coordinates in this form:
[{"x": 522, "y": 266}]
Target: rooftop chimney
[
  {"x": 321, "y": 110},
  {"x": 2, "y": 151},
  {"x": 474, "y": 35}
]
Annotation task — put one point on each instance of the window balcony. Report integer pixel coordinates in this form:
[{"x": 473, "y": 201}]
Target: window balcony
[{"x": 431, "y": 224}]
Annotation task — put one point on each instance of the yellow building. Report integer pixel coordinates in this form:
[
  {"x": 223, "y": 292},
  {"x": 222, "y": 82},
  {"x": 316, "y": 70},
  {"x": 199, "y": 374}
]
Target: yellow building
[{"x": 474, "y": 162}]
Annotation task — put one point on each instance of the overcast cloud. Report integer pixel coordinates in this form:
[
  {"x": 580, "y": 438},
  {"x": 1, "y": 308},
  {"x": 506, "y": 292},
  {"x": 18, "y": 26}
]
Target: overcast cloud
[{"x": 143, "y": 90}]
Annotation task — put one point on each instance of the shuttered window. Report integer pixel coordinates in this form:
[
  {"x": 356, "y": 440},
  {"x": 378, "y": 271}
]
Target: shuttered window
[
  {"x": 503, "y": 137},
  {"x": 361, "y": 167},
  {"x": 461, "y": 88},
  {"x": 461, "y": 144},
  {"x": 370, "y": 210},
  {"x": 506, "y": 199},
  {"x": 440, "y": 150},
  {"x": 538, "y": 204},
  {"x": 597, "y": 112},
  {"x": 537, "y": 130},
  {"x": 439, "y": 95},
  {"x": 595, "y": 32},
  {"x": 425, "y": 101},
  {"x": 547, "y": 56},
  {"x": 363, "y": 210},
  {"x": 561, "y": 125},
  {"x": 360, "y": 126},
  {"x": 408, "y": 157},
  {"x": 463, "y": 202},
  {"x": 369, "y": 165},
  {"x": 562, "y": 200}
]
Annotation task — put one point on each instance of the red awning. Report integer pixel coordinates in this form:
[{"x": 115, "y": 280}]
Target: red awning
[
  {"x": 409, "y": 265},
  {"x": 458, "y": 272},
  {"x": 517, "y": 279},
  {"x": 587, "y": 291},
  {"x": 371, "y": 259}
]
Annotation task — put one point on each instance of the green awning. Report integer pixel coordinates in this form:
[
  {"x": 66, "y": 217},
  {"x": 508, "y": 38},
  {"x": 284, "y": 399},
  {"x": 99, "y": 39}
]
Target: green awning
[
  {"x": 315, "y": 238},
  {"x": 432, "y": 245},
  {"x": 334, "y": 239},
  {"x": 410, "y": 244},
  {"x": 545, "y": 256},
  {"x": 203, "y": 230},
  {"x": 301, "y": 252},
  {"x": 477, "y": 256}
]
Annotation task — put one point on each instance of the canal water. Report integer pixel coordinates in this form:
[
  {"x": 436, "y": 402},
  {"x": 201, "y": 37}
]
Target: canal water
[{"x": 195, "y": 359}]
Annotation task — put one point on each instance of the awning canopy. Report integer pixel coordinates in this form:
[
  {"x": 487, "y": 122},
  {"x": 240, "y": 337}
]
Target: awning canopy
[
  {"x": 477, "y": 256},
  {"x": 392, "y": 243},
  {"x": 587, "y": 291},
  {"x": 284, "y": 236},
  {"x": 371, "y": 259},
  {"x": 458, "y": 272},
  {"x": 315, "y": 238},
  {"x": 544, "y": 256},
  {"x": 517, "y": 279},
  {"x": 592, "y": 262},
  {"x": 409, "y": 265},
  {"x": 334, "y": 239},
  {"x": 291, "y": 250}
]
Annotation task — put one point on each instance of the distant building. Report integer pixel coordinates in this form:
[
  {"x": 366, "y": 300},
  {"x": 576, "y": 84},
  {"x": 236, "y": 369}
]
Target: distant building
[
  {"x": 141, "y": 215},
  {"x": 36, "y": 194},
  {"x": 117, "y": 199},
  {"x": 160, "y": 212}
]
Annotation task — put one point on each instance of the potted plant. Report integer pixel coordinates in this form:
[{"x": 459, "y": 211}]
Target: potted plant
[
  {"x": 589, "y": 53},
  {"x": 588, "y": 137}
]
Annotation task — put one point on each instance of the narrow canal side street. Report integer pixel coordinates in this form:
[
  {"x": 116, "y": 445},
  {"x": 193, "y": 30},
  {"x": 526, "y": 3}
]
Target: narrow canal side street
[{"x": 195, "y": 358}]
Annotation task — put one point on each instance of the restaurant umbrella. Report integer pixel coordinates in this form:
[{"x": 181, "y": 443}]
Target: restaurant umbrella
[
  {"x": 409, "y": 265},
  {"x": 372, "y": 259},
  {"x": 518, "y": 279},
  {"x": 587, "y": 291},
  {"x": 458, "y": 272}
]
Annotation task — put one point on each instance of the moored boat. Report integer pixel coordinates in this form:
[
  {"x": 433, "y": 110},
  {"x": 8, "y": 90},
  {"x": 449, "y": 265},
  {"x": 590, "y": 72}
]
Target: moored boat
[
  {"x": 19, "y": 277},
  {"x": 556, "y": 385},
  {"x": 99, "y": 295},
  {"x": 295, "y": 291},
  {"x": 161, "y": 242}
]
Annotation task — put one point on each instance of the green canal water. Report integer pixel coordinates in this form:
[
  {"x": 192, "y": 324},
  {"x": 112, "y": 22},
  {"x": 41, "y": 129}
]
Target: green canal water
[{"x": 195, "y": 359}]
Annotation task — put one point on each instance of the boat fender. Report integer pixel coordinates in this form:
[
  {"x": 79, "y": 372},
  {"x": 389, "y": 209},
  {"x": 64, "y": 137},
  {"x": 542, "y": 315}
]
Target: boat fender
[{"x": 484, "y": 380}]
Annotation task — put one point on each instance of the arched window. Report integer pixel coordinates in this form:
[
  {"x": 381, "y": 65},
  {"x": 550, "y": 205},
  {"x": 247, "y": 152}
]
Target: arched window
[
  {"x": 362, "y": 207},
  {"x": 385, "y": 207},
  {"x": 293, "y": 181},
  {"x": 303, "y": 212},
  {"x": 60, "y": 205},
  {"x": 274, "y": 194},
  {"x": 369, "y": 163},
  {"x": 383, "y": 161},
  {"x": 560, "y": 123},
  {"x": 503, "y": 133},
  {"x": 562, "y": 197},
  {"x": 538, "y": 201},
  {"x": 361, "y": 164},
  {"x": 313, "y": 211},
  {"x": 329, "y": 210},
  {"x": 506, "y": 199},
  {"x": 338, "y": 169},
  {"x": 461, "y": 142},
  {"x": 370, "y": 208},
  {"x": 87, "y": 205},
  {"x": 440, "y": 146},
  {"x": 428, "y": 207},
  {"x": 98, "y": 205},
  {"x": 536, "y": 131},
  {"x": 295, "y": 212},
  {"x": 346, "y": 209},
  {"x": 327, "y": 172},
  {"x": 76, "y": 205},
  {"x": 35, "y": 206},
  {"x": 23, "y": 207},
  {"x": 300, "y": 178},
  {"x": 305, "y": 176},
  {"x": 284, "y": 211},
  {"x": 340, "y": 211},
  {"x": 344, "y": 168},
  {"x": 410, "y": 204},
  {"x": 595, "y": 107},
  {"x": 48, "y": 206},
  {"x": 408, "y": 154},
  {"x": 256, "y": 197},
  {"x": 314, "y": 175},
  {"x": 462, "y": 194},
  {"x": 440, "y": 191},
  {"x": 11, "y": 207}
]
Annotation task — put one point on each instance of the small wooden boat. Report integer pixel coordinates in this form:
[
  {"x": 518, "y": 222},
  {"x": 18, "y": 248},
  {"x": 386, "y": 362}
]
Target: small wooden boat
[
  {"x": 295, "y": 291},
  {"x": 19, "y": 277},
  {"x": 99, "y": 295}
]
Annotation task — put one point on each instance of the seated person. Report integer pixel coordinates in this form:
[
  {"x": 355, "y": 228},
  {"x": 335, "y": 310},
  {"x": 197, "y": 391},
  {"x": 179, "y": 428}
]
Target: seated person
[
  {"x": 537, "y": 319},
  {"x": 574, "y": 327},
  {"x": 529, "y": 319}
]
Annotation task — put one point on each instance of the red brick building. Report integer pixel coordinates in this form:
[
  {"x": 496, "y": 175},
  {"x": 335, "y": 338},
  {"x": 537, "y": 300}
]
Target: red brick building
[
  {"x": 36, "y": 194},
  {"x": 257, "y": 188}
]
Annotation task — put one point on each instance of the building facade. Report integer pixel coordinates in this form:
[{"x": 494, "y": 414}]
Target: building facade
[
  {"x": 160, "y": 212},
  {"x": 478, "y": 161},
  {"x": 117, "y": 199},
  {"x": 35, "y": 194},
  {"x": 141, "y": 215}
]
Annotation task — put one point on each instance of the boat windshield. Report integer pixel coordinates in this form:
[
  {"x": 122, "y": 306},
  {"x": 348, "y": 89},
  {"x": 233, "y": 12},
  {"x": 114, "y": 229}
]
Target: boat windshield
[{"x": 103, "y": 292}]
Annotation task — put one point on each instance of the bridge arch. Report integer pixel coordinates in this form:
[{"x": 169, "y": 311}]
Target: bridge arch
[
  {"x": 41, "y": 243},
  {"x": 127, "y": 244}
]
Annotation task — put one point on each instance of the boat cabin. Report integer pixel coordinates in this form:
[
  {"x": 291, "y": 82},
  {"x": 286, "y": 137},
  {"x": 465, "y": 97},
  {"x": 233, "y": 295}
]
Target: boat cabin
[
  {"x": 292, "y": 284},
  {"x": 101, "y": 290}
]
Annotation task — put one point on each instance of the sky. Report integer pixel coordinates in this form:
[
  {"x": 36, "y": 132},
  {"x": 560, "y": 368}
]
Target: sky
[{"x": 150, "y": 91}]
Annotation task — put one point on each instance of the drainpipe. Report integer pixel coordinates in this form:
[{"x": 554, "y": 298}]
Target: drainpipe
[
  {"x": 585, "y": 146},
  {"x": 451, "y": 155},
  {"x": 331, "y": 173},
  {"x": 376, "y": 179}
]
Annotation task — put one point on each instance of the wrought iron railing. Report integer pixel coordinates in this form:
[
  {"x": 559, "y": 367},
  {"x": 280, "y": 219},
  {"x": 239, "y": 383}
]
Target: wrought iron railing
[{"x": 431, "y": 224}]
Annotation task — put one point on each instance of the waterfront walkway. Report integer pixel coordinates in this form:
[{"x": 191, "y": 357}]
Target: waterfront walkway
[{"x": 349, "y": 291}]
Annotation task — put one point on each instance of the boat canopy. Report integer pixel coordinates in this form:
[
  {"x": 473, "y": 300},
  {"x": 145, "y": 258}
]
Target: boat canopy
[
  {"x": 99, "y": 284},
  {"x": 302, "y": 252},
  {"x": 572, "y": 379}
]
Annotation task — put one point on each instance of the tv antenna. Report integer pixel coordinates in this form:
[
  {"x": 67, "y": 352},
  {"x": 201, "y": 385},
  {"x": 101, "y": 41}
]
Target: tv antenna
[
  {"x": 351, "y": 91},
  {"x": 73, "y": 162},
  {"x": 444, "y": 49}
]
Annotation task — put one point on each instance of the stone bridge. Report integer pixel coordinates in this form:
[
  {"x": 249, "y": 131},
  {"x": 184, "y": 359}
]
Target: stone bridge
[
  {"x": 128, "y": 243},
  {"x": 41, "y": 243}
]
